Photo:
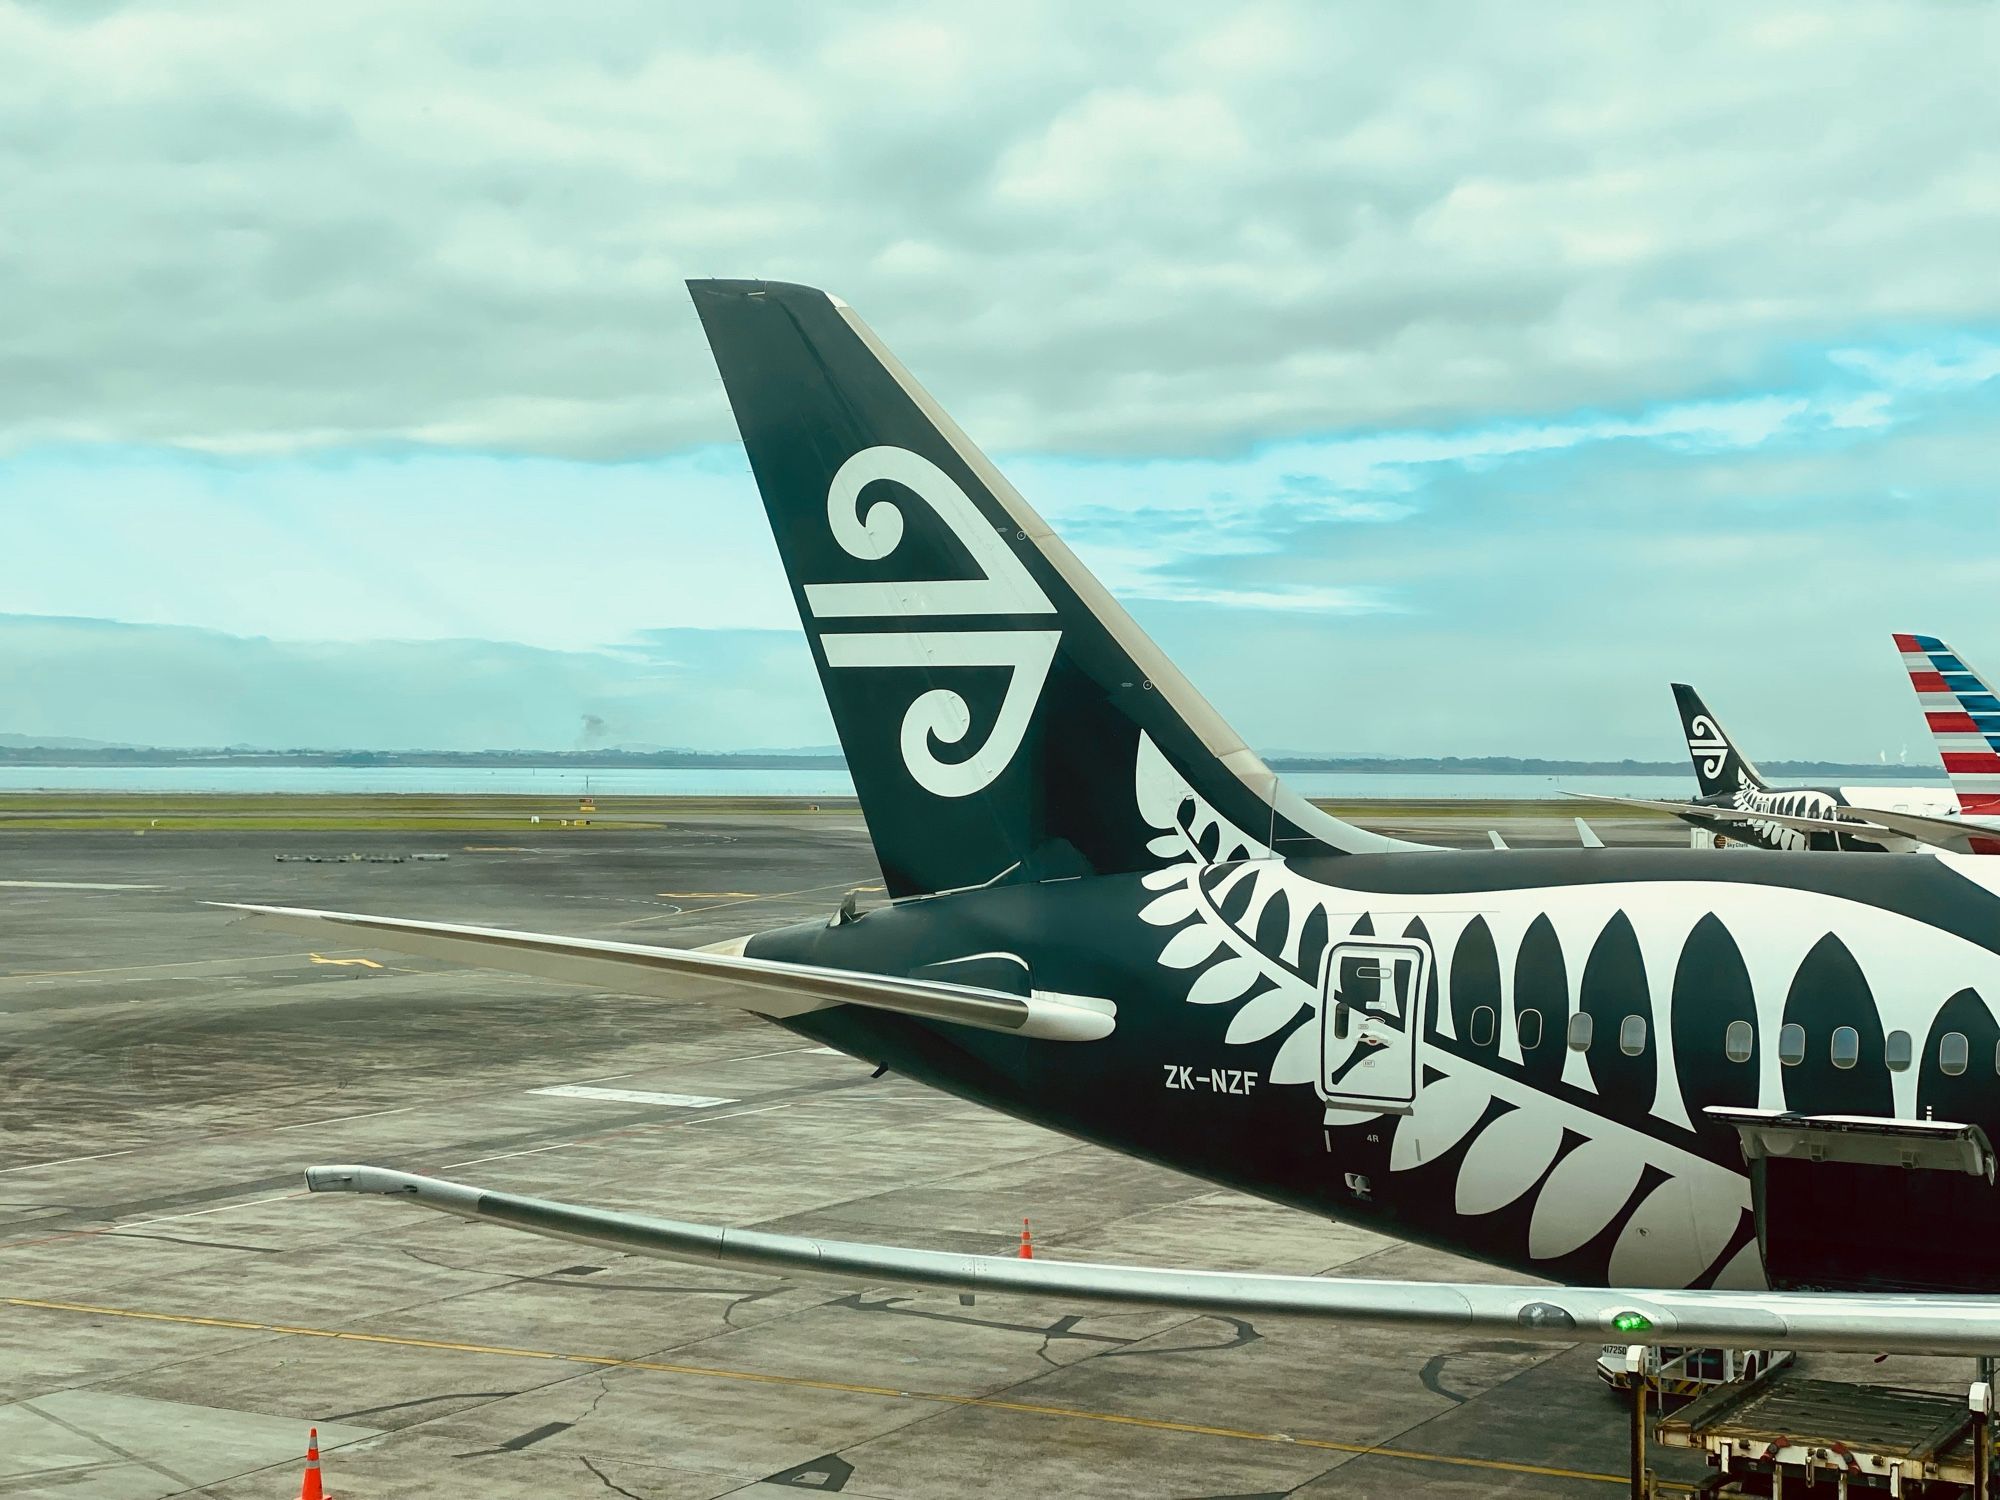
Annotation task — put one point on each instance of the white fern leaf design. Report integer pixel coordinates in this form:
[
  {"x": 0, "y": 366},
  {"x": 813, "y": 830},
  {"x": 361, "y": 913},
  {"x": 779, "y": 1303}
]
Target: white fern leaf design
[
  {"x": 1228, "y": 980},
  {"x": 1264, "y": 1016},
  {"x": 1508, "y": 1158},
  {"x": 1298, "y": 1060},
  {"x": 1582, "y": 1194},
  {"x": 1190, "y": 946},
  {"x": 1168, "y": 910},
  {"x": 1452, "y": 1106}
]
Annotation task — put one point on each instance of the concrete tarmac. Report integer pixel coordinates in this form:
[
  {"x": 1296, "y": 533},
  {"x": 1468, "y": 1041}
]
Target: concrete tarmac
[{"x": 175, "y": 1311}]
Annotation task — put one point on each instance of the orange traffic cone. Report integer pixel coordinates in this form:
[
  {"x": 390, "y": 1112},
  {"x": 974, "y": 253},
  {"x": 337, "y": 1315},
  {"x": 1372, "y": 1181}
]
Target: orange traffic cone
[
  {"x": 1027, "y": 1242},
  {"x": 310, "y": 1489}
]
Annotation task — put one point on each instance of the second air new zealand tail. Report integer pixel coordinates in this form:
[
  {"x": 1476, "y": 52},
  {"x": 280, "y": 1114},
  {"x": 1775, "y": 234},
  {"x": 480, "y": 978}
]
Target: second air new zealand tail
[
  {"x": 994, "y": 703},
  {"x": 1720, "y": 769}
]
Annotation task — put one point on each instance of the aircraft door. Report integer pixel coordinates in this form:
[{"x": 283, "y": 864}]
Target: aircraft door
[{"x": 1371, "y": 1002}]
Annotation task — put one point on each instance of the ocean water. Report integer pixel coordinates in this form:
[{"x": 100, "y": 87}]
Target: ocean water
[{"x": 565, "y": 782}]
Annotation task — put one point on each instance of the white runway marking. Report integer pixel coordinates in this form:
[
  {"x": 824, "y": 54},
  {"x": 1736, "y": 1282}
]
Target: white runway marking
[
  {"x": 66, "y": 1160},
  {"x": 502, "y": 1156},
  {"x": 73, "y": 885},
  {"x": 630, "y": 1096},
  {"x": 373, "y": 1114},
  {"x": 204, "y": 1212},
  {"x": 780, "y": 1052}
]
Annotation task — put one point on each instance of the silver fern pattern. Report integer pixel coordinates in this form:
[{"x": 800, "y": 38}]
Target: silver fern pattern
[{"x": 1596, "y": 1156}]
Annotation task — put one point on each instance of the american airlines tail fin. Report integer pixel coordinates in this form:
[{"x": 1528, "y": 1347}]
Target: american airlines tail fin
[
  {"x": 1964, "y": 717},
  {"x": 1003, "y": 719},
  {"x": 1719, "y": 767}
]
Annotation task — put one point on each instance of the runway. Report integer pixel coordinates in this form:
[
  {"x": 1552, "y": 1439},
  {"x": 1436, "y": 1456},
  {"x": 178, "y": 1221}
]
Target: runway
[{"x": 176, "y": 1311}]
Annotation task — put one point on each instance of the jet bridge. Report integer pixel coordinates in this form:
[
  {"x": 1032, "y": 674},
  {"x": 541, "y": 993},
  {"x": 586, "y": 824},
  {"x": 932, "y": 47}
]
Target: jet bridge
[{"x": 1840, "y": 1199}]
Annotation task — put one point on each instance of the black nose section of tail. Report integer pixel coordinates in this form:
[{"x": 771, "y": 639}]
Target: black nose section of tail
[
  {"x": 1719, "y": 768},
  {"x": 1003, "y": 719}
]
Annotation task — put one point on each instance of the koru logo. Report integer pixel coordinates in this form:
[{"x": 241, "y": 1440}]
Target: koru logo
[
  {"x": 1004, "y": 588},
  {"x": 1704, "y": 739}
]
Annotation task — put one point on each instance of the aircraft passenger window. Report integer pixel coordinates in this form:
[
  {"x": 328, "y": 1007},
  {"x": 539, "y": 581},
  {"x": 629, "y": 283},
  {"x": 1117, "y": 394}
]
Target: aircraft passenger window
[
  {"x": 1632, "y": 1035},
  {"x": 1739, "y": 1041},
  {"x": 1482, "y": 1026},
  {"x": 1954, "y": 1052},
  {"x": 1528, "y": 1026},
  {"x": 1846, "y": 1046},
  {"x": 1996, "y": 1057},
  {"x": 1580, "y": 1027},
  {"x": 1896, "y": 1051},
  {"x": 1792, "y": 1045}
]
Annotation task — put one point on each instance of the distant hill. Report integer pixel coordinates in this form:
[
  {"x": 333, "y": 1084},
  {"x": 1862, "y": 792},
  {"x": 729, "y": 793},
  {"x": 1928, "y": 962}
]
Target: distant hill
[
  {"x": 1509, "y": 765},
  {"x": 33, "y": 750},
  {"x": 54, "y": 742}
]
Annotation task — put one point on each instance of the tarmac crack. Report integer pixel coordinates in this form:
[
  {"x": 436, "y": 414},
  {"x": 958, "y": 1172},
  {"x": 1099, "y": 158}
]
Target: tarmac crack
[
  {"x": 606, "y": 1479},
  {"x": 175, "y": 1239}
]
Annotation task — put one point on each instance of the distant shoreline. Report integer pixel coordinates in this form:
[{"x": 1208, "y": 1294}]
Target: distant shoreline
[{"x": 693, "y": 760}]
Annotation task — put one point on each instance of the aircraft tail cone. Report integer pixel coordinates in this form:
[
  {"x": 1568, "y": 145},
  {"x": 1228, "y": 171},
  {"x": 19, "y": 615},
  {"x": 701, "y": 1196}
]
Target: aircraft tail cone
[
  {"x": 310, "y": 1489},
  {"x": 1027, "y": 1242}
]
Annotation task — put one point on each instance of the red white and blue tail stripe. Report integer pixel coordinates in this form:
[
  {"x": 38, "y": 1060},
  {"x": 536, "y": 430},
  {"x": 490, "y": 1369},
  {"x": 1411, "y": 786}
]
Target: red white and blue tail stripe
[{"x": 1963, "y": 714}]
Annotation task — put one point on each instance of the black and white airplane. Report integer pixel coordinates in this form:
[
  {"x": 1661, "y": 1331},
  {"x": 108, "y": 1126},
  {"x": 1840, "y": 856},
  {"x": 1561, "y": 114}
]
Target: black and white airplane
[
  {"x": 1737, "y": 803},
  {"x": 1662, "y": 1080}
]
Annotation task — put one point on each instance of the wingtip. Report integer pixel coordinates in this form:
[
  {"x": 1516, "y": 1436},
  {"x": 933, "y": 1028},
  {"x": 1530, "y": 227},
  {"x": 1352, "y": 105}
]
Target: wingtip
[{"x": 387, "y": 1182}]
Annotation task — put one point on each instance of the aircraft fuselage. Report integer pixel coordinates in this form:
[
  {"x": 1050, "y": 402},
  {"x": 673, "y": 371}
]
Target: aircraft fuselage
[{"x": 1506, "y": 1056}]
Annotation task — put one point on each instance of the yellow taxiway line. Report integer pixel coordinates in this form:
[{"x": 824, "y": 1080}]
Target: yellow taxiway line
[{"x": 802, "y": 1382}]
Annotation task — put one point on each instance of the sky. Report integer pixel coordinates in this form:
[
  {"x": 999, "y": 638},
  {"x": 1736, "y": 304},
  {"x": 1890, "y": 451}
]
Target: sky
[{"x": 1427, "y": 379}]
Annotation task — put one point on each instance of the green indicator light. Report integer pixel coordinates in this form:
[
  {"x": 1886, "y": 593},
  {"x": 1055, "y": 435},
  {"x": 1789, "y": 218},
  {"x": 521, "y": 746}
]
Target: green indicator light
[{"x": 1632, "y": 1322}]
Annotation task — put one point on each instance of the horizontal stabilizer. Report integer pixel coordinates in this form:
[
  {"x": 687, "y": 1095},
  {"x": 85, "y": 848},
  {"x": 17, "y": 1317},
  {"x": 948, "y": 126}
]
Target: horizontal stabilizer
[
  {"x": 720, "y": 975},
  {"x": 1948, "y": 834},
  {"x": 1876, "y": 1323},
  {"x": 1855, "y": 827}
]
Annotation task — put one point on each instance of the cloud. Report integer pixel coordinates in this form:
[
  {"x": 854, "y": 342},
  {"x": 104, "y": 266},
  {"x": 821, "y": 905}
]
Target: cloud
[
  {"x": 252, "y": 230},
  {"x": 171, "y": 685}
]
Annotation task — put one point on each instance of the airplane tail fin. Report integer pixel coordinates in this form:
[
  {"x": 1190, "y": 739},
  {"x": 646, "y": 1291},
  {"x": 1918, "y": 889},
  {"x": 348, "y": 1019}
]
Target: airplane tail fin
[
  {"x": 1964, "y": 718},
  {"x": 1003, "y": 719},
  {"x": 1719, "y": 767}
]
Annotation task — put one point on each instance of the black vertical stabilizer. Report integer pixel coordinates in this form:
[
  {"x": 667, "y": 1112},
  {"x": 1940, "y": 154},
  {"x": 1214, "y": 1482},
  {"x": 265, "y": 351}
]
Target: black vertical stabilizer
[
  {"x": 1719, "y": 766},
  {"x": 995, "y": 705}
]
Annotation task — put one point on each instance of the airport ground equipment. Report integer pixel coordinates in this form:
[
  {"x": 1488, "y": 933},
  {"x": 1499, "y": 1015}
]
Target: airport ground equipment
[
  {"x": 1792, "y": 1437},
  {"x": 1683, "y": 1373}
]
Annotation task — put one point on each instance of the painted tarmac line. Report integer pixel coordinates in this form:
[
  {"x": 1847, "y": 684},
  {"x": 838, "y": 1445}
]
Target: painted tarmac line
[
  {"x": 734, "y": 1114},
  {"x": 73, "y": 885},
  {"x": 889, "y": 1393},
  {"x": 630, "y": 1096},
  {"x": 373, "y": 1114},
  {"x": 64, "y": 1161},
  {"x": 198, "y": 1213},
  {"x": 778, "y": 1052},
  {"x": 189, "y": 963},
  {"x": 505, "y": 1155},
  {"x": 612, "y": 1135}
]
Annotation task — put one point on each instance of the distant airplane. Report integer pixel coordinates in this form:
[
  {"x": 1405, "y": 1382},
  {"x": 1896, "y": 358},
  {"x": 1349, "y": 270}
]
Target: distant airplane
[
  {"x": 1736, "y": 802},
  {"x": 1964, "y": 717},
  {"x": 1604, "y": 1068}
]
